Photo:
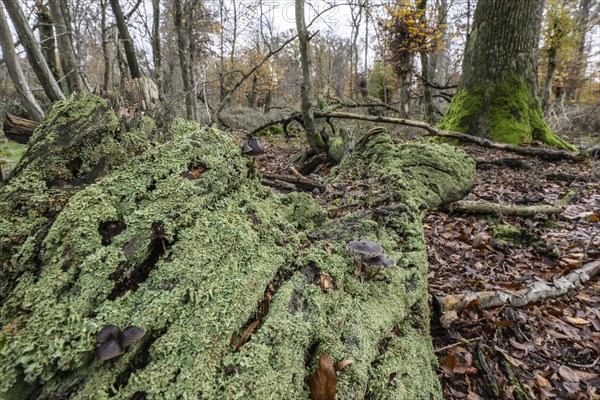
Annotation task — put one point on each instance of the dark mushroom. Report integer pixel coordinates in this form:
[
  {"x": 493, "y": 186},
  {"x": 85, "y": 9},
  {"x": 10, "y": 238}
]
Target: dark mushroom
[
  {"x": 253, "y": 148},
  {"x": 316, "y": 192},
  {"x": 364, "y": 249},
  {"x": 109, "y": 349},
  {"x": 130, "y": 335},
  {"x": 109, "y": 332},
  {"x": 376, "y": 264}
]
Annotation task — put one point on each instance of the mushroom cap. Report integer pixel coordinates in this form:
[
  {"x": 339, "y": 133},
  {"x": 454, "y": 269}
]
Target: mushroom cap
[
  {"x": 109, "y": 349},
  {"x": 253, "y": 148},
  {"x": 364, "y": 247},
  {"x": 381, "y": 211},
  {"x": 107, "y": 333},
  {"x": 381, "y": 261},
  {"x": 130, "y": 335}
]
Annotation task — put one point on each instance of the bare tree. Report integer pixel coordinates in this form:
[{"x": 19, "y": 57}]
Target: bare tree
[
  {"x": 305, "y": 89},
  {"x": 126, "y": 39},
  {"x": 68, "y": 59},
  {"x": 34, "y": 52},
  {"x": 11, "y": 60}
]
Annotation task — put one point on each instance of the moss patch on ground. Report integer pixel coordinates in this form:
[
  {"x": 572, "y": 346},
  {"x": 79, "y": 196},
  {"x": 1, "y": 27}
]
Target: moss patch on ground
[{"x": 504, "y": 112}]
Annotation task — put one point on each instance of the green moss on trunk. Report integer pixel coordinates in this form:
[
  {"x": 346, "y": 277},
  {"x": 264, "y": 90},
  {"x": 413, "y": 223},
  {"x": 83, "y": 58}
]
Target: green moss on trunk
[{"x": 505, "y": 112}]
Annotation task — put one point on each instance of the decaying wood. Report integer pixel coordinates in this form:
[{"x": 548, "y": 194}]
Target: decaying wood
[
  {"x": 298, "y": 181},
  {"x": 491, "y": 208},
  {"x": 543, "y": 153},
  {"x": 18, "y": 129},
  {"x": 452, "y": 304}
]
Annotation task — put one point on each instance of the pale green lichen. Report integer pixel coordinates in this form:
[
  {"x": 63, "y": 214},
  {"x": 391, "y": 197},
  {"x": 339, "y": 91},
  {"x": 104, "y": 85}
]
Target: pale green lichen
[
  {"x": 504, "y": 112},
  {"x": 223, "y": 241}
]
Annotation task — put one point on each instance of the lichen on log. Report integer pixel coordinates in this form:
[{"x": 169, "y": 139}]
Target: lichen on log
[{"x": 179, "y": 239}]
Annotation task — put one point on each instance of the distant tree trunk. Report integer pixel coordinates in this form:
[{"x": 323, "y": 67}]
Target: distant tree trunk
[
  {"x": 68, "y": 59},
  {"x": 126, "y": 39},
  {"x": 438, "y": 61},
  {"x": 496, "y": 96},
  {"x": 34, "y": 53},
  {"x": 551, "y": 53},
  {"x": 105, "y": 41},
  {"x": 314, "y": 139},
  {"x": 427, "y": 99},
  {"x": 580, "y": 59},
  {"x": 47, "y": 41},
  {"x": 11, "y": 61},
  {"x": 156, "y": 53},
  {"x": 183, "y": 62}
]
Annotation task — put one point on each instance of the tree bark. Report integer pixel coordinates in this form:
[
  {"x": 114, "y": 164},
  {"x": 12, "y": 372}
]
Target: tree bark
[
  {"x": 126, "y": 39},
  {"x": 183, "y": 61},
  {"x": 34, "y": 53},
  {"x": 17, "y": 76},
  {"x": 177, "y": 238},
  {"x": 47, "y": 40},
  {"x": 68, "y": 58},
  {"x": 313, "y": 138},
  {"x": 496, "y": 97},
  {"x": 156, "y": 50}
]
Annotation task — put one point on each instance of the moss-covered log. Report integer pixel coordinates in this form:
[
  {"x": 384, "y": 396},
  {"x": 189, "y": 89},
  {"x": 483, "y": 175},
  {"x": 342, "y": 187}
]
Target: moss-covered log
[{"x": 181, "y": 239}]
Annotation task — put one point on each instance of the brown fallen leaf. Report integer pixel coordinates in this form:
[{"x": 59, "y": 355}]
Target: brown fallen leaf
[
  {"x": 573, "y": 375},
  {"x": 246, "y": 335},
  {"x": 577, "y": 321},
  {"x": 323, "y": 382},
  {"x": 343, "y": 364},
  {"x": 540, "y": 381},
  {"x": 325, "y": 281}
]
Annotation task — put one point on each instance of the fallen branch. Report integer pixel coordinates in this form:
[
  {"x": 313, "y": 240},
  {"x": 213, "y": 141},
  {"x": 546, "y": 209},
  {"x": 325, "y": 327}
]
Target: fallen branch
[
  {"x": 538, "y": 291},
  {"x": 18, "y": 129},
  {"x": 543, "y": 153},
  {"x": 297, "y": 180},
  {"x": 491, "y": 208}
]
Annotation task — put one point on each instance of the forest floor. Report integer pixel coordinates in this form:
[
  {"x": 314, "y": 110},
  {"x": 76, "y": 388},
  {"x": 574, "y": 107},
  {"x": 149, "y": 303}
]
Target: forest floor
[{"x": 549, "y": 350}]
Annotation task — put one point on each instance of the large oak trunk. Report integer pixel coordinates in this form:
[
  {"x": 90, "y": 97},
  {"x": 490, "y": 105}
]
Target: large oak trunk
[
  {"x": 239, "y": 290},
  {"x": 496, "y": 96}
]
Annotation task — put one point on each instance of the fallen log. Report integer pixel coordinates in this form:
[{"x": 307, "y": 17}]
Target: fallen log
[
  {"x": 18, "y": 129},
  {"x": 492, "y": 208},
  {"x": 298, "y": 181},
  {"x": 451, "y": 305},
  {"x": 104, "y": 226}
]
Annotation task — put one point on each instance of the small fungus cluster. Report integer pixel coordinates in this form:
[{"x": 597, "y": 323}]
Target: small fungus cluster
[
  {"x": 252, "y": 148},
  {"x": 370, "y": 258},
  {"x": 114, "y": 342}
]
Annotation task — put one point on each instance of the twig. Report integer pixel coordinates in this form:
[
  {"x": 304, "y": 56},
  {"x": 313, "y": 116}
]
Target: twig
[{"x": 462, "y": 341}]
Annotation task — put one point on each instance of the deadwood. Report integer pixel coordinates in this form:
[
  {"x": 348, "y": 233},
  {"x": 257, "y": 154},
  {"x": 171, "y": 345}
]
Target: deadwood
[
  {"x": 492, "y": 208},
  {"x": 18, "y": 129},
  {"x": 540, "y": 152},
  {"x": 452, "y": 304}
]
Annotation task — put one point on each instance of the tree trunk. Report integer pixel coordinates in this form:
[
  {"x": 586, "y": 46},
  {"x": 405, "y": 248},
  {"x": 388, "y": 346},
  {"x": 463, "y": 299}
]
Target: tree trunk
[
  {"x": 239, "y": 291},
  {"x": 183, "y": 61},
  {"x": 126, "y": 39},
  {"x": 427, "y": 99},
  {"x": 68, "y": 59},
  {"x": 551, "y": 53},
  {"x": 47, "y": 41},
  {"x": 105, "y": 41},
  {"x": 496, "y": 97},
  {"x": 312, "y": 136},
  {"x": 580, "y": 59},
  {"x": 156, "y": 52},
  {"x": 17, "y": 76},
  {"x": 34, "y": 53}
]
